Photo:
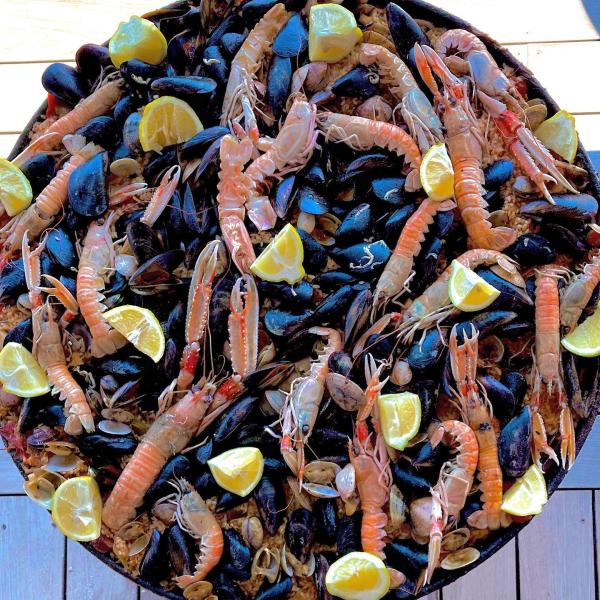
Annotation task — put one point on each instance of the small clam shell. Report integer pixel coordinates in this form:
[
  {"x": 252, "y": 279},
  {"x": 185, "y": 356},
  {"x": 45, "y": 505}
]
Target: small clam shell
[
  {"x": 306, "y": 222},
  {"x": 41, "y": 485},
  {"x": 117, "y": 414},
  {"x": 114, "y": 427},
  {"x": 345, "y": 481},
  {"x": 293, "y": 567},
  {"x": 139, "y": 545},
  {"x": 321, "y": 491},
  {"x": 125, "y": 264},
  {"x": 63, "y": 463},
  {"x": 275, "y": 400},
  {"x": 398, "y": 507},
  {"x": 401, "y": 373},
  {"x": 125, "y": 167},
  {"x": 523, "y": 186},
  {"x": 61, "y": 448},
  {"x": 130, "y": 531},
  {"x": 344, "y": 392},
  {"x": 300, "y": 496},
  {"x": 536, "y": 114},
  {"x": 252, "y": 532},
  {"x": 499, "y": 218},
  {"x": 491, "y": 350},
  {"x": 321, "y": 471},
  {"x": 460, "y": 558},
  {"x": 266, "y": 355},
  {"x": 325, "y": 228},
  {"x": 165, "y": 511},
  {"x": 201, "y": 590},
  {"x": 266, "y": 562},
  {"x": 456, "y": 539}
]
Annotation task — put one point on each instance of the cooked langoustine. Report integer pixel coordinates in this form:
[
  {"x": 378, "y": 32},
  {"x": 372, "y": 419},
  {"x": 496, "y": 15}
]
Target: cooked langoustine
[{"x": 577, "y": 294}]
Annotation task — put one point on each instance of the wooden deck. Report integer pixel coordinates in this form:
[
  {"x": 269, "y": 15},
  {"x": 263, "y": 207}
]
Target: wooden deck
[{"x": 555, "y": 558}]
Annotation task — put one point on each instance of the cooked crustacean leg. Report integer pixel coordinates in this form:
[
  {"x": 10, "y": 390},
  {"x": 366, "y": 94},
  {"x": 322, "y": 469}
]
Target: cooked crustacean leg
[
  {"x": 549, "y": 405},
  {"x": 463, "y": 359},
  {"x": 243, "y": 325},
  {"x": 48, "y": 348}
]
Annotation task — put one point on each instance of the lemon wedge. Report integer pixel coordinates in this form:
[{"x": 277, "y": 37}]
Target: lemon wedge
[
  {"x": 167, "y": 121},
  {"x": 282, "y": 259},
  {"x": 137, "y": 38},
  {"x": 20, "y": 373},
  {"x": 140, "y": 327},
  {"x": 15, "y": 190},
  {"x": 358, "y": 576},
  {"x": 559, "y": 134},
  {"x": 332, "y": 33},
  {"x": 584, "y": 340},
  {"x": 528, "y": 494},
  {"x": 77, "y": 509},
  {"x": 468, "y": 291},
  {"x": 399, "y": 418},
  {"x": 238, "y": 470},
  {"x": 437, "y": 174}
]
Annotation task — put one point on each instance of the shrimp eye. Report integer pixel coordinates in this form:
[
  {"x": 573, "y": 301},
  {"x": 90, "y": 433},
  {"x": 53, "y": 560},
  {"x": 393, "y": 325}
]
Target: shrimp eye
[{"x": 305, "y": 428}]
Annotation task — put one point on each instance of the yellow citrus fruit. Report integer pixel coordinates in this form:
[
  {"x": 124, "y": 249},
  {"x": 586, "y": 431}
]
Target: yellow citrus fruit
[
  {"x": 239, "y": 470},
  {"x": 77, "y": 509},
  {"x": 20, "y": 373},
  {"x": 167, "y": 121},
  {"x": 584, "y": 340},
  {"x": 140, "y": 327},
  {"x": 358, "y": 576},
  {"x": 527, "y": 495},
  {"x": 332, "y": 32},
  {"x": 15, "y": 190},
  {"x": 137, "y": 38},
  {"x": 559, "y": 134},
  {"x": 468, "y": 291},
  {"x": 437, "y": 174},
  {"x": 282, "y": 259},
  {"x": 399, "y": 418}
]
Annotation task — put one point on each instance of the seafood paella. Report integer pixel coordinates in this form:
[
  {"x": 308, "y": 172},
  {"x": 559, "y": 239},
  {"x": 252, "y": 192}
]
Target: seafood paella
[{"x": 298, "y": 300}]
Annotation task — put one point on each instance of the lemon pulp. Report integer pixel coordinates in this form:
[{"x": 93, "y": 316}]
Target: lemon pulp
[
  {"x": 399, "y": 418},
  {"x": 20, "y": 372},
  {"x": 358, "y": 576},
  {"x": 528, "y": 494},
  {"x": 167, "y": 121},
  {"x": 77, "y": 509},
  {"x": 468, "y": 291},
  {"x": 558, "y": 133},
  {"x": 137, "y": 38},
  {"x": 584, "y": 340},
  {"x": 437, "y": 173},
  {"x": 140, "y": 327},
  {"x": 332, "y": 33},
  {"x": 282, "y": 259},
  {"x": 15, "y": 189},
  {"x": 238, "y": 470}
]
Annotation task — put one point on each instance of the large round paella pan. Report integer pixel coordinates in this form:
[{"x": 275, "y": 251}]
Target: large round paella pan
[{"x": 298, "y": 300}]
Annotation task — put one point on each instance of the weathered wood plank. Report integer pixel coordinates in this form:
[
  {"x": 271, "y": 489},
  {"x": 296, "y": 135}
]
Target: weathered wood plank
[
  {"x": 556, "y": 557},
  {"x": 38, "y": 30},
  {"x": 90, "y": 579},
  {"x": 11, "y": 481},
  {"x": 535, "y": 20},
  {"x": 596, "y": 500},
  {"x": 496, "y": 575},
  {"x": 586, "y": 470},
  {"x": 31, "y": 552},
  {"x": 147, "y": 595}
]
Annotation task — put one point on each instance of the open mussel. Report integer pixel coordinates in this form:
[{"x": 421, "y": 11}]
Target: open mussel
[
  {"x": 153, "y": 566},
  {"x": 65, "y": 83},
  {"x": 156, "y": 274},
  {"x": 570, "y": 207}
]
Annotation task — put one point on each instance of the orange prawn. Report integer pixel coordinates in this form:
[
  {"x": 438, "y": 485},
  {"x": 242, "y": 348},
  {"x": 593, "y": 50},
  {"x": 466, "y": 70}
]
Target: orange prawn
[
  {"x": 374, "y": 387},
  {"x": 363, "y": 134},
  {"x": 168, "y": 435},
  {"x": 578, "y": 292},
  {"x": 549, "y": 398}
]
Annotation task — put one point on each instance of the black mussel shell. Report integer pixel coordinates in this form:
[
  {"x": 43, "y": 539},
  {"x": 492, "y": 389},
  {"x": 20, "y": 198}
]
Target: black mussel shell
[
  {"x": 255, "y": 10},
  {"x": 88, "y": 195},
  {"x": 233, "y": 418},
  {"x": 237, "y": 557},
  {"x": 485, "y": 323},
  {"x": 331, "y": 280},
  {"x": 348, "y": 534},
  {"x": 105, "y": 446},
  {"x": 299, "y": 294},
  {"x": 284, "y": 194},
  {"x": 572, "y": 207},
  {"x": 270, "y": 500},
  {"x": 21, "y": 333},
  {"x": 360, "y": 82},
  {"x": 501, "y": 397},
  {"x": 159, "y": 164},
  {"x": 340, "y": 362},
  {"x": 389, "y": 190},
  {"x": 168, "y": 365},
  {"x": 227, "y": 501},
  {"x": 300, "y": 533},
  {"x": 442, "y": 223},
  {"x": 231, "y": 42},
  {"x": 498, "y": 173},
  {"x": 12, "y": 280},
  {"x": 514, "y": 444},
  {"x": 196, "y": 146},
  {"x": 372, "y": 161},
  {"x": 334, "y": 306},
  {"x": 206, "y": 485},
  {"x": 231, "y": 23},
  {"x": 355, "y": 226},
  {"x": 216, "y": 65},
  {"x": 565, "y": 239},
  {"x": 315, "y": 256},
  {"x": 39, "y": 170},
  {"x": 156, "y": 274},
  {"x": 405, "y": 32},
  {"x": 516, "y": 383},
  {"x": 153, "y": 566},
  {"x": 65, "y": 83},
  {"x": 204, "y": 452},
  {"x": 225, "y": 588},
  {"x": 181, "y": 549},
  {"x": 314, "y": 176},
  {"x": 363, "y": 259},
  {"x": 311, "y": 201},
  {"x": 278, "y": 85},
  {"x": 406, "y": 557},
  {"x": 91, "y": 60},
  {"x": 393, "y": 225},
  {"x": 124, "y": 107},
  {"x": 188, "y": 87},
  {"x": 426, "y": 266},
  {"x": 61, "y": 248},
  {"x": 406, "y": 477},
  {"x": 427, "y": 390},
  {"x": 131, "y": 133},
  {"x": 511, "y": 297},
  {"x": 144, "y": 241},
  {"x": 427, "y": 353},
  {"x": 70, "y": 283},
  {"x": 38, "y": 411},
  {"x": 531, "y": 249},
  {"x": 281, "y": 323},
  {"x": 102, "y": 130},
  {"x": 325, "y": 511},
  {"x": 178, "y": 467},
  {"x": 428, "y": 456},
  {"x": 123, "y": 369},
  {"x": 357, "y": 316},
  {"x": 292, "y": 40},
  {"x": 139, "y": 75},
  {"x": 275, "y": 591},
  {"x": 181, "y": 50}
]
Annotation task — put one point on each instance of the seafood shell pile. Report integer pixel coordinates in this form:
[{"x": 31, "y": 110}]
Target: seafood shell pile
[{"x": 301, "y": 370}]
